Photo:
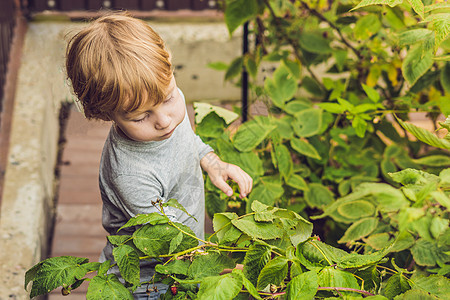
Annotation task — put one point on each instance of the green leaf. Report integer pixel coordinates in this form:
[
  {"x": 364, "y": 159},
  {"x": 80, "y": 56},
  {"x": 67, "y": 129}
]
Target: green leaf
[
  {"x": 391, "y": 3},
  {"x": 359, "y": 229},
  {"x": 237, "y": 12},
  {"x": 225, "y": 231},
  {"x": 312, "y": 86},
  {"x": 441, "y": 198},
  {"x": 425, "y": 136},
  {"x": 360, "y": 126},
  {"x": 218, "y": 66},
  {"x": 266, "y": 192},
  {"x": 303, "y": 286},
  {"x": 434, "y": 161},
  {"x": 334, "y": 108},
  {"x": 255, "y": 259},
  {"x": 211, "y": 126},
  {"x": 416, "y": 63},
  {"x": 413, "y": 36},
  {"x": 305, "y": 148},
  {"x": 151, "y": 218},
  {"x": 204, "y": 109},
  {"x": 247, "y": 284},
  {"x": 284, "y": 160},
  {"x": 282, "y": 87},
  {"x": 175, "y": 204},
  {"x": 367, "y": 26},
  {"x": 209, "y": 264},
  {"x": 235, "y": 68},
  {"x": 355, "y": 260},
  {"x": 273, "y": 272},
  {"x": 307, "y": 122},
  {"x": 314, "y": 43},
  {"x": 436, "y": 285},
  {"x": 396, "y": 285},
  {"x": 331, "y": 277},
  {"x": 128, "y": 261},
  {"x": 441, "y": 25},
  {"x": 117, "y": 240},
  {"x": 371, "y": 93},
  {"x": 445, "y": 77},
  {"x": 55, "y": 272},
  {"x": 297, "y": 182},
  {"x": 356, "y": 209},
  {"x": 154, "y": 240},
  {"x": 176, "y": 266},
  {"x": 318, "y": 195},
  {"x": 174, "y": 243},
  {"x": 31, "y": 274},
  {"x": 226, "y": 286},
  {"x": 257, "y": 230},
  {"x": 415, "y": 294},
  {"x": 250, "y": 135},
  {"x": 403, "y": 241},
  {"x": 293, "y": 107},
  {"x": 418, "y": 7},
  {"x": 107, "y": 287},
  {"x": 425, "y": 252}
]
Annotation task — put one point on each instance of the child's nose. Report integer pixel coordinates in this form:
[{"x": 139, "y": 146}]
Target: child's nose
[{"x": 162, "y": 121}]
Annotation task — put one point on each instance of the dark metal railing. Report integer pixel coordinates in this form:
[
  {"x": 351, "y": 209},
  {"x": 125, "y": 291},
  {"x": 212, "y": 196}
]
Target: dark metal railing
[{"x": 141, "y": 5}]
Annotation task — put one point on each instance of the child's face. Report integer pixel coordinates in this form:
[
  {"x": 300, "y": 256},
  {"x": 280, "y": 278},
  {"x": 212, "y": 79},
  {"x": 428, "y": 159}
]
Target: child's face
[{"x": 153, "y": 123}]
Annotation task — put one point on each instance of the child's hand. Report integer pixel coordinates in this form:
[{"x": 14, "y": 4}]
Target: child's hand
[{"x": 219, "y": 172}]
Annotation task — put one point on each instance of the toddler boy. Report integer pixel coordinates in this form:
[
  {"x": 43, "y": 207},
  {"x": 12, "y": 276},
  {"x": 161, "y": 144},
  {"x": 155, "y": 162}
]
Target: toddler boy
[{"x": 121, "y": 71}]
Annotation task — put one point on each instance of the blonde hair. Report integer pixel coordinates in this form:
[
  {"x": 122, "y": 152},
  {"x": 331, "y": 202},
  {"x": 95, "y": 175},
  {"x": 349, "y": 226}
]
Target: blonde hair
[{"x": 117, "y": 63}]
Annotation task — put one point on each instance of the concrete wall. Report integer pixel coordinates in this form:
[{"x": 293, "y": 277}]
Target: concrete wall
[{"x": 28, "y": 195}]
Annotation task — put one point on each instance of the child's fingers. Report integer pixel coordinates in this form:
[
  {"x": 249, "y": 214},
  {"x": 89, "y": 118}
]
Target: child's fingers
[
  {"x": 243, "y": 180},
  {"x": 223, "y": 186}
]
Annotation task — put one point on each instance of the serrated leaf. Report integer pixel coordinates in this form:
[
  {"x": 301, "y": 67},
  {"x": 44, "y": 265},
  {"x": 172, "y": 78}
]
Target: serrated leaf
[
  {"x": 214, "y": 204},
  {"x": 273, "y": 272},
  {"x": 436, "y": 285},
  {"x": 174, "y": 243},
  {"x": 117, "y": 240},
  {"x": 154, "y": 240},
  {"x": 307, "y": 122},
  {"x": 211, "y": 126},
  {"x": 151, "y": 218},
  {"x": 258, "y": 230},
  {"x": 282, "y": 87},
  {"x": 441, "y": 25},
  {"x": 107, "y": 287},
  {"x": 225, "y": 231},
  {"x": 425, "y": 136},
  {"x": 250, "y": 135},
  {"x": 31, "y": 273},
  {"x": 255, "y": 259},
  {"x": 359, "y": 229},
  {"x": 355, "y": 260},
  {"x": 209, "y": 264},
  {"x": 305, "y": 148},
  {"x": 266, "y": 192},
  {"x": 413, "y": 36},
  {"x": 396, "y": 285},
  {"x": 331, "y": 277},
  {"x": 235, "y": 68},
  {"x": 415, "y": 294},
  {"x": 425, "y": 253},
  {"x": 57, "y": 271},
  {"x": 416, "y": 63},
  {"x": 391, "y": 3},
  {"x": 128, "y": 261},
  {"x": 175, "y": 204},
  {"x": 318, "y": 195},
  {"x": 247, "y": 284},
  {"x": 418, "y": 7},
  {"x": 284, "y": 160},
  {"x": 434, "y": 161},
  {"x": 297, "y": 182},
  {"x": 356, "y": 209},
  {"x": 226, "y": 286},
  {"x": 293, "y": 107},
  {"x": 177, "y": 266},
  {"x": 334, "y": 108},
  {"x": 303, "y": 286}
]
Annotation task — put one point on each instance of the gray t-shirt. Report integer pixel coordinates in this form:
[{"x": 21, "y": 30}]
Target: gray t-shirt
[{"x": 133, "y": 174}]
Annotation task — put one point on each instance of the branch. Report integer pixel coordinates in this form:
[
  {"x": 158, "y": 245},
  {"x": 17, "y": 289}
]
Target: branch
[
  {"x": 293, "y": 43},
  {"x": 322, "y": 17}
]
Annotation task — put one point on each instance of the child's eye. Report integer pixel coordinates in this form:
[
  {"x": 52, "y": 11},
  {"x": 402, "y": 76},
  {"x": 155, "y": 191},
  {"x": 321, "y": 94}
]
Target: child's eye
[{"x": 141, "y": 119}]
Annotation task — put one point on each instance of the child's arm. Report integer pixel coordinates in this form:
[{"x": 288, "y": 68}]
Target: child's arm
[{"x": 220, "y": 172}]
